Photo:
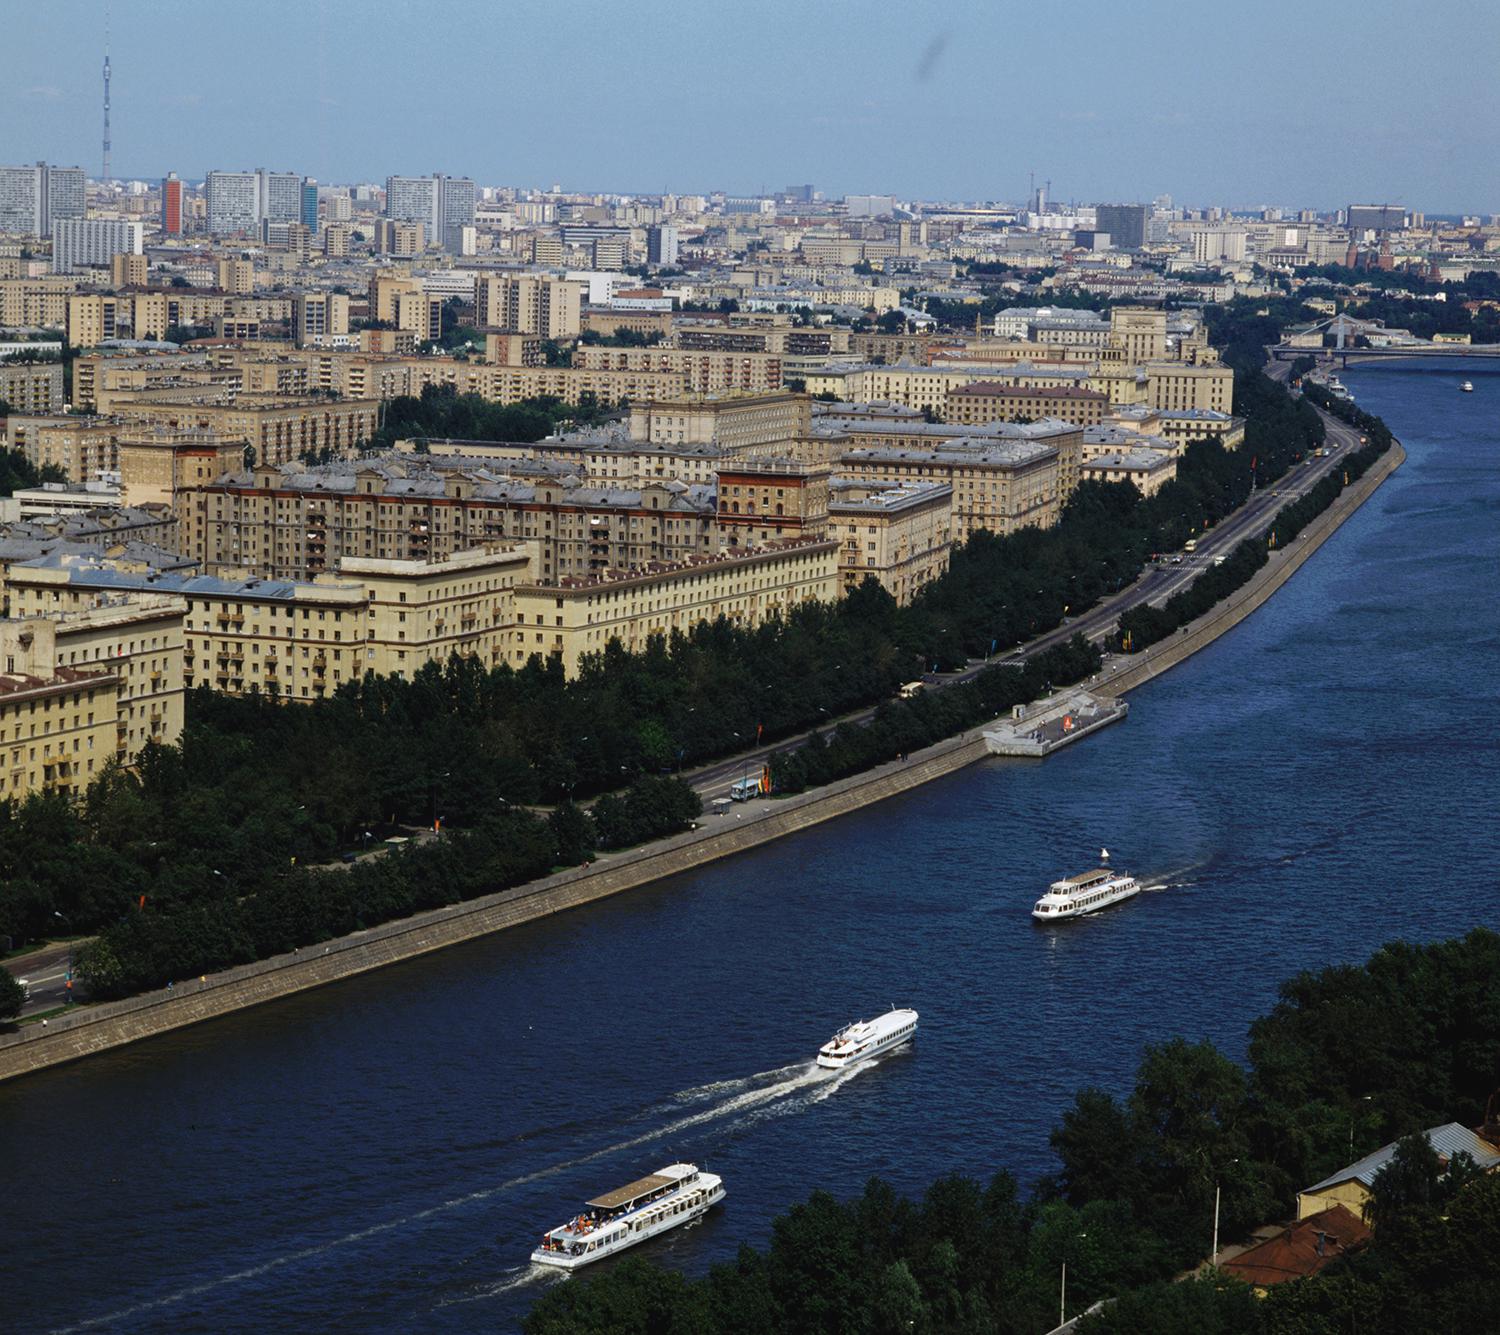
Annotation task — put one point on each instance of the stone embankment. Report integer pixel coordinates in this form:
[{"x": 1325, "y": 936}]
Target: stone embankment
[{"x": 94, "y": 1029}]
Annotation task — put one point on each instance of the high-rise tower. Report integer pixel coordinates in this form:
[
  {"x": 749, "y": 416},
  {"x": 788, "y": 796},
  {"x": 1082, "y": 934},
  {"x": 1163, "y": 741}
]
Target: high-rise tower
[{"x": 106, "y": 97}]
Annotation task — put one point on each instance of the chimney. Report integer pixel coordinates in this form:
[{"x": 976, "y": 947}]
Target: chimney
[{"x": 1322, "y": 1239}]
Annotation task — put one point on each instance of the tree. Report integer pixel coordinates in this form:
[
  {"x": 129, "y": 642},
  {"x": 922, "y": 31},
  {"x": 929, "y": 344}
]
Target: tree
[{"x": 12, "y": 995}]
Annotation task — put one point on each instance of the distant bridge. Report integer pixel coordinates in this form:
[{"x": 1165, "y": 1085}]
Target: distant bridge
[{"x": 1344, "y": 356}]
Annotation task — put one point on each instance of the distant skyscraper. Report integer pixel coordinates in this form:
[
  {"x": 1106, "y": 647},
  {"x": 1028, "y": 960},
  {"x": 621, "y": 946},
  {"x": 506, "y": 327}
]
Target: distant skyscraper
[
  {"x": 310, "y": 205},
  {"x": 1125, "y": 223},
  {"x": 31, "y": 198},
  {"x": 661, "y": 245},
  {"x": 444, "y": 205},
  {"x": 1376, "y": 217},
  {"x": 80, "y": 242},
  {"x": 171, "y": 205},
  {"x": 232, "y": 202},
  {"x": 411, "y": 199},
  {"x": 280, "y": 196}
]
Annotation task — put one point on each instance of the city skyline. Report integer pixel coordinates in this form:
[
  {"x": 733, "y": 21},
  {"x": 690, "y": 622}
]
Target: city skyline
[{"x": 1098, "y": 121}]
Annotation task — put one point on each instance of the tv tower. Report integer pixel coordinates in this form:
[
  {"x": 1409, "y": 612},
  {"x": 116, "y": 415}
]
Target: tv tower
[{"x": 106, "y": 97}]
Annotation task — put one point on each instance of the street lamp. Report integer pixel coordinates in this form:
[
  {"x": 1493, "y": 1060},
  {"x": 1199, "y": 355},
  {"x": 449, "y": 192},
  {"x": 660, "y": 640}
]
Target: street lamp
[
  {"x": 1352, "y": 1115},
  {"x": 1215, "y": 1261},
  {"x": 1062, "y": 1292}
]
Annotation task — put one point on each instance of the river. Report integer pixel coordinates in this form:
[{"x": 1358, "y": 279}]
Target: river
[{"x": 382, "y": 1155}]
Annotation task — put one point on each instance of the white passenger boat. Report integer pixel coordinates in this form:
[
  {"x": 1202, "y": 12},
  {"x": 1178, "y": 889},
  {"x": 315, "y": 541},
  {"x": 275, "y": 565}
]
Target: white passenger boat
[
  {"x": 619, "y": 1219},
  {"x": 867, "y": 1038},
  {"x": 1087, "y": 893},
  {"x": 1467, "y": 386}
]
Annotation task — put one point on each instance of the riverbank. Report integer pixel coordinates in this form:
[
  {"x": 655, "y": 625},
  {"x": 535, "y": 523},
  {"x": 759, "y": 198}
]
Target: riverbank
[{"x": 100, "y": 1028}]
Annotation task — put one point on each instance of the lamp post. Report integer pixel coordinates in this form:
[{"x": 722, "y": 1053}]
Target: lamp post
[
  {"x": 1215, "y": 1260},
  {"x": 1062, "y": 1291},
  {"x": 1352, "y": 1115}
]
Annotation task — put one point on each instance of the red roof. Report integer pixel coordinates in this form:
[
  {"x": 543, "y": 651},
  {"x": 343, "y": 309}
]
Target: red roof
[{"x": 1302, "y": 1249}]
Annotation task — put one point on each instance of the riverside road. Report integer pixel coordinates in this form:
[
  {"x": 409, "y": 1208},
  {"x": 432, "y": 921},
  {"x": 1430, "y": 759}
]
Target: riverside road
[{"x": 1156, "y": 584}]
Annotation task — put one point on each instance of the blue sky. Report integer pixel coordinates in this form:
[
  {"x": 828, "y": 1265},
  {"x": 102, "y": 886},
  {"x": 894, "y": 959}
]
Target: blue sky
[{"x": 1279, "y": 102}]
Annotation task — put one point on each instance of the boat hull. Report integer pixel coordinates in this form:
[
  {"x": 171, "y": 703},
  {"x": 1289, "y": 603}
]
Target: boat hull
[
  {"x": 1062, "y": 916},
  {"x": 647, "y": 1230},
  {"x": 837, "y": 1063}
]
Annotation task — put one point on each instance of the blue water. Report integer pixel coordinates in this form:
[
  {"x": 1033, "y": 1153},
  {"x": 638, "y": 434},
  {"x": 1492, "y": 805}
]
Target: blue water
[{"x": 382, "y": 1155}]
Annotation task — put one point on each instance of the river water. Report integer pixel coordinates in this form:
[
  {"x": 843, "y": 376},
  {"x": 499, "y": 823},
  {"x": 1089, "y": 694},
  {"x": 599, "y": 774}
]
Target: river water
[{"x": 382, "y": 1155}]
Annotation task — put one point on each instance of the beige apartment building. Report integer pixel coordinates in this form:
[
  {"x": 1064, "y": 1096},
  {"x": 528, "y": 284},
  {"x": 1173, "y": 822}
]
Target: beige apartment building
[
  {"x": 137, "y": 637},
  {"x": 278, "y": 430},
  {"x": 317, "y": 315},
  {"x": 36, "y": 303},
  {"x": 57, "y": 724},
  {"x": 529, "y": 304},
  {"x": 580, "y": 616},
  {"x": 401, "y": 239},
  {"x": 128, "y": 270},
  {"x": 985, "y": 401},
  {"x": 732, "y": 422},
  {"x": 763, "y": 499},
  {"x": 996, "y": 487},
  {"x": 1178, "y": 386},
  {"x": 91, "y": 318},
  {"x": 82, "y": 447},
  {"x": 701, "y": 372},
  {"x": 286, "y": 524},
  {"x": 35, "y": 387},
  {"x": 901, "y": 534},
  {"x": 1148, "y": 471},
  {"x": 236, "y": 277},
  {"x": 302, "y": 641},
  {"x": 1138, "y": 333}
]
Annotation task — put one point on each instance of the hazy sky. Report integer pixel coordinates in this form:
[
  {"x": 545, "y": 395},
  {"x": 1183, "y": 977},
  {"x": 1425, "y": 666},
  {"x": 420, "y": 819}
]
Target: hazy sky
[{"x": 1280, "y": 102}]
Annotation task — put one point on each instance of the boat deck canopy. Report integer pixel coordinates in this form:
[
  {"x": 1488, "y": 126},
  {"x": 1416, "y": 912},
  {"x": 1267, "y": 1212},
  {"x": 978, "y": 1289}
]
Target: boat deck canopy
[{"x": 613, "y": 1200}]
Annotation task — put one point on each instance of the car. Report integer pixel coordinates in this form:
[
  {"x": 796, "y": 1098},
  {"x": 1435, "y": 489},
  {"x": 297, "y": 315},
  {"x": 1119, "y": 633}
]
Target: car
[
  {"x": 1177, "y": 560},
  {"x": 25, "y": 990}
]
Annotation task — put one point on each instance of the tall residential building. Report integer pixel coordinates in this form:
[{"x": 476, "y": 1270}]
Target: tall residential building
[
  {"x": 1376, "y": 217},
  {"x": 1125, "y": 223},
  {"x": 529, "y": 304},
  {"x": 31, "y": 198},
  {"x": 80, "y": 242},
  {"x": 410, "y": 198},
  {"x": 171, "y": 205},
  {"x": 661, "y": 245},
  {"x": 241, "y": 201},
  {"x": 280, "y": 196},
  {"x": 309, "y": 215},
  {"x": 317, "y": 314},
  {"x": 232, "y": 201},
  {"x": 443, "y": 204}
]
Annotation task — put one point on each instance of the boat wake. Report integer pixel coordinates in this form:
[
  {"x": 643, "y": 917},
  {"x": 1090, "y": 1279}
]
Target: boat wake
[
  {"x": 750, "y": 1097},
  {"x": 522, "y": 1277},
  {"x": 1179, "y": 878}
]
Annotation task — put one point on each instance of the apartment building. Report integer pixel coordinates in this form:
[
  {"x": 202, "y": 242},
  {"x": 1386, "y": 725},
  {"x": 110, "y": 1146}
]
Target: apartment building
[
  {"x": 316, "y": 315},
  {"x": 93, "y": 242},
  {"x": 90, "y": 319},
  {"x": 36, "y": 303},
  {"x": 128, "y": 270},
  {"x": 301, "y": 640},
  {"x": 286, "y": 524},
  {"x": 907, "y": 433},
  {"x": 998, "y": 487},
  {"x": 1146, "y": 470},
  {"x": 33, "y": 199},
  {"x": 32, "y": 387},
  {"x": 57, "y": 723},
  {"x": 702, "y": 372},
  {"x": 529, "y": 304},
  {"x": 1178, "y": 387},
  {"x": 733, "y": 422},
  {"x": 900, "y": 534},
  {"x": 985, "y": 401},
  {"x": 400, "y": 239},
  {"x": 82, "y": 447},
  {"x": 278, "y": 430},
  {"x": 135, "y": 636},
  {"x": 763, "y": 499},
  {"x": 579, "y": 617}
]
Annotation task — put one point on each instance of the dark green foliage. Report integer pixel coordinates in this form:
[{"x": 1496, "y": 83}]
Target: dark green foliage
[
  {"x": 442, "y": 413},
  {"x": 12, "y": 995},
  {"x": 16, "y": 470}
]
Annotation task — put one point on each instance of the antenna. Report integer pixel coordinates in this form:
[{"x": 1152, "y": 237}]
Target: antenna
[{"x": 106, "y": 95}]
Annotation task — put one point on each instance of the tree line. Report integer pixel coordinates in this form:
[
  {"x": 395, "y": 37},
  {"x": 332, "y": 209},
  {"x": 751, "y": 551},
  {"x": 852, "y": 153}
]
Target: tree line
[{"x": 1349, "y": 1058}]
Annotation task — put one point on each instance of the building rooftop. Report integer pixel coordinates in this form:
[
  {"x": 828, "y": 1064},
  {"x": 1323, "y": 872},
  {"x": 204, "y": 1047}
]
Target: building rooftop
[
  {"x": 1302, "y": 1249},
  {"x": 1447, "y": 1140}
]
